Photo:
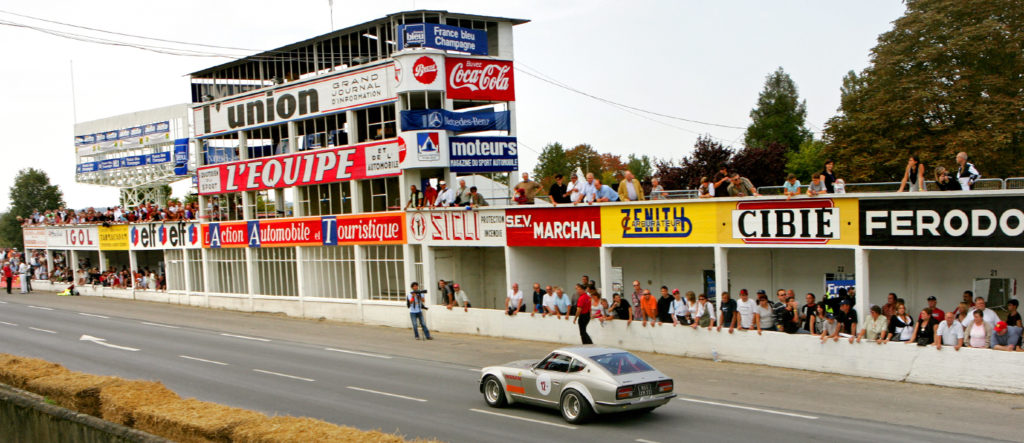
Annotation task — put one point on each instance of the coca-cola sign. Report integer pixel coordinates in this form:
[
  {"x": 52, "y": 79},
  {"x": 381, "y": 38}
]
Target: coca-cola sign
[
  {"x": 480, "y": 79},
  {"x": 424, "y": 70}
]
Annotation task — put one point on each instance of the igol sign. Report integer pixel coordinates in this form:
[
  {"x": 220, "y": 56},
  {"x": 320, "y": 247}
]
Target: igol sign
[
  {"x": 996, "y": 222},
  {"x": 811, "y": 221}
]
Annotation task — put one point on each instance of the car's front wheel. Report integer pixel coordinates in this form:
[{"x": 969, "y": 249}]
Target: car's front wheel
[
  {"x": 493, "y": 392},
  {"x": 575, "y": 408}
]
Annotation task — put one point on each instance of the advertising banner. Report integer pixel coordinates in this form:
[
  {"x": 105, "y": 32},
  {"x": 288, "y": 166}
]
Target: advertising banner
[
  {"x": 364, "y": 229},
  {"x": 483, "y": 154},
  {"x": 81, "y": 238},
  {"x": 441, "y": 119},
  {"x": 445, "y": 37},
  {"x": 559, "y": 227},
  {"x": 454, "y": 228},
  {"x": 168, "y": 235},
  {"x": 991, "y": 222},
  {"x": 34, "y": 238},
  {"x": 288, "y": 232},
  {"x": 113, "y": 238},
  {"x": 659, "y": 224},
  {"x": 811, "y": 221},
  {"x": 368, "y": 160},
  {"x": 130, "y": 161},
  {"x": 133, "y": 137},
  {"x": 480, "y": 79},
  {"x": 181, "y": 156},
  {"x": 419, "y": 72},
  {"x": 423, "y": 149},
  {"x": 297, "y": 100},
  {"x": 226, "y": 235}
]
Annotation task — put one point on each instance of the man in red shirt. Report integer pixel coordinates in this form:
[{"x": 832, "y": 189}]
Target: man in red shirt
[
  {"x": 8, "y": 276},
  {"x": 583, "y": 313},
  {"x": 936, "y": 312}
]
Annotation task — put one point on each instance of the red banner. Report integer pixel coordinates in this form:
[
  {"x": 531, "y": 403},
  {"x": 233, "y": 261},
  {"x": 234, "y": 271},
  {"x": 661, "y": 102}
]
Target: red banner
[
  {"x": 577, "y": 226},
  {"x": 287, "y": 232},
  {"x": 480, "y": 79},
  {"x": 356, "y": 162},
  {"x": 225, "y": 235}
]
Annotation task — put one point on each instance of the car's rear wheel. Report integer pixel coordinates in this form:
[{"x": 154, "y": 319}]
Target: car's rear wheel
[
  {"x": 575, "y": 408},
  {"x": 493, "y": 392}
]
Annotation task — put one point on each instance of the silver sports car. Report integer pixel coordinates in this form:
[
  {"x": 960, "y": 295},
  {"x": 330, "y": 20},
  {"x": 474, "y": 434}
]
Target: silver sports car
[{"x": 579, "y": 381}]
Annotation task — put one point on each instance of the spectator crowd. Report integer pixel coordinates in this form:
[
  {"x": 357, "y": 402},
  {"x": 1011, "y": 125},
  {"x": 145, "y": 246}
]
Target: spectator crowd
[{"x": 174, "y": 211}]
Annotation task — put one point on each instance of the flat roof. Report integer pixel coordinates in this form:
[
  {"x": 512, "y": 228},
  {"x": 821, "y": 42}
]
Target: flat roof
[{"x": 350, "y": 29}]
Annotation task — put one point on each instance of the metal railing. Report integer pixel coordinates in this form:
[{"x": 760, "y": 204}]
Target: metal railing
[{"x": 985, "y": 184}]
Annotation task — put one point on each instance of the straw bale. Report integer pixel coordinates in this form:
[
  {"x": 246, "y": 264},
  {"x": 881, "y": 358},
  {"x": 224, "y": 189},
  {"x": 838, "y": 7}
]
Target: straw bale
[
  {"x": 18, "y": 371},
  {"x": 118, "y": 402},
  {"x": 77, "y": 391},
  {"x": 304, "y": 429},
  {"x": 192, "y": 420}
]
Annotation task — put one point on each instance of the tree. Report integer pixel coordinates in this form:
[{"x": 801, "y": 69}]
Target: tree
[
  {"x": 707, "y": 157},
  {"x": 584, "y": 156},
  {"x": 948, "y": 77},
  {"x": 763, "y": 166},
  {"x": 31, "y": 191},
  {"x": 670, "y": 174},
  {"x": 552, "y": 161},
  {"x": 779, "y": 116},
  {"x": 611, "y": 167},
  {"x": 641, "y": 166},
  {"x": 807, "y": 160}
]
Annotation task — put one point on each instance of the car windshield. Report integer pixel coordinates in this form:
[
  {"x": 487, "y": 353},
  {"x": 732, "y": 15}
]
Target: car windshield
[{"x": 619, "y": 363}]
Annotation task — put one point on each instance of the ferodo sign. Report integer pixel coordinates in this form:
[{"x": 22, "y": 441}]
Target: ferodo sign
[
  {"x": 995, "y": 222},
  {"x": 368, "y": 160},
  {"x": 480, "y": 79},
  {"x": 158, "y": 236},
  {"x": 799, "y": 221},
  {"x": 577, "y": 226}
]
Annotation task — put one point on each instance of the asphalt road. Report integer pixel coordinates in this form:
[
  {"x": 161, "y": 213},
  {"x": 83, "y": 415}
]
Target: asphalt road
[{"x": 379, "y": 378}]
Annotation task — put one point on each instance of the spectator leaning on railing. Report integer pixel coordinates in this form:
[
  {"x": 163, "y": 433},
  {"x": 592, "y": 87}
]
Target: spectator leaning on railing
[
  {"x": 630, "y": 189},
  {"x": 966, "y": 174},
  {"x": 741, "y": 187}
]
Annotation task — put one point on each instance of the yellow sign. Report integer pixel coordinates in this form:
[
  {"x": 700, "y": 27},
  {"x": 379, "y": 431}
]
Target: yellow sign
[
  {"x": 665, "y": 223},
  {"x": 800, "y": 221},
  {"x": 114, "y": 238}
]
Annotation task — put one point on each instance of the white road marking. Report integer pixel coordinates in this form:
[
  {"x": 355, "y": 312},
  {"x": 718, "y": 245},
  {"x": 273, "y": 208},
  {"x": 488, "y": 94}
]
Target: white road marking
[
  {"x": 365, "y": 354},
  {"x": 93, "y": 315},
  {"x": 3, "y": 303},
  {"x": 43, "y": 330},
  {"x": 40, "y": 307},
  {"x": 103, "y": 342},
  {"x": 203, "y": 360},
  {"x": 643, "y": 440},
  {"x": 245, "y": 337},
  {"x": 386, "y": 393},
  {"x": 283, "y": 375},
  {"x": 8, "y": 324},
  {"x": 748, "y": 408},
  {"x": 557, "y": 425},
  {"x": 159, "y": 325}
]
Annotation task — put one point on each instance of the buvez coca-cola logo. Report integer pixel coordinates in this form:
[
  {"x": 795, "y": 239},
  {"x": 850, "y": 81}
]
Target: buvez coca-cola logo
[
  {"x": 424, "y": 70},
  {"x": 475, "y": 79}
]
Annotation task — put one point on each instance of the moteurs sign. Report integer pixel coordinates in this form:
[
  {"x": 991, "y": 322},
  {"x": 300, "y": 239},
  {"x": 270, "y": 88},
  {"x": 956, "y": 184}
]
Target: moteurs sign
[{"x": 996, "y": 222}]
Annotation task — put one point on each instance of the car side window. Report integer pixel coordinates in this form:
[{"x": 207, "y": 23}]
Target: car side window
[
  {"x": 576, "y": 366},
  {"x": 556, "y": 362}
]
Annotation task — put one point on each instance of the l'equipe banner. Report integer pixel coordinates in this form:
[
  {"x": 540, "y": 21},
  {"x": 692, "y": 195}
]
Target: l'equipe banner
[
  {"x": 368, "y": 160},
  {"x": 577, "y": 226},
  {"x": 992, "y": 222},
  {"x": 483, "y": 154},
  {"x": 297, "y": 100},
  {"x": 441, "y": 119},
  {"x": 480, "y": 79},
  {"x": 437, "y": 36}
]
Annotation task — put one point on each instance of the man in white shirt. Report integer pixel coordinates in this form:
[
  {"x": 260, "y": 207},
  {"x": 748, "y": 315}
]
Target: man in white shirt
[
  {"x": 461, "y": 298},
  {"x": 989, "y": 315},
  {"x": 514, "y": 301},
  {"x": 949, "y": 333},
  {"x": 586, "y": 190},
  {"x": 747, "y": 309},
  {"x": 24, "y": 269},
  {"x": 445, "y": 195},
  {"x": 549, "y": 304},
  {"x": 572, "y": 188}
]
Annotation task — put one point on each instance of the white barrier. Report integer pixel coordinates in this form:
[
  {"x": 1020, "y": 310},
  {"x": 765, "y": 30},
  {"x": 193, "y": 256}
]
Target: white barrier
[{"x": 967, "y": 368}]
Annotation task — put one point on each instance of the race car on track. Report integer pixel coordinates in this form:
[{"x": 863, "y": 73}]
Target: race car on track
[{"x": 579, "y": 381}]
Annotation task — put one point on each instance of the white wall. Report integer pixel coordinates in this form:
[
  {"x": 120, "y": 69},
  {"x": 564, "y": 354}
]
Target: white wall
[
  {"x": 552, "y": 266},
  {"x": 677, "y": 268},
  {"x": 478, "y": 271},
  {"x": 802, "y": 270}
]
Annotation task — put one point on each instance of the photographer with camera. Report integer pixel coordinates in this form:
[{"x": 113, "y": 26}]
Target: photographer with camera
[{"x": 414, "y": 301}]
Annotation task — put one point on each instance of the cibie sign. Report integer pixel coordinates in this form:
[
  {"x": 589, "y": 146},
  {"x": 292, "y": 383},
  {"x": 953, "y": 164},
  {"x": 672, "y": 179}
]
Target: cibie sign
[
  {"x": 802, "y": 221},
  {"x": 480, "y": 79}
]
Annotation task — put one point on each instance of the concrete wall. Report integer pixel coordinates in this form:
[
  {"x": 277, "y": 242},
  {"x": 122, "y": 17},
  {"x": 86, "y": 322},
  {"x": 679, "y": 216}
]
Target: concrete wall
[
  {"x": 681, "y": 268},
  {"x": 552, "y": 266},
  {"x": 480, "y": 271}
]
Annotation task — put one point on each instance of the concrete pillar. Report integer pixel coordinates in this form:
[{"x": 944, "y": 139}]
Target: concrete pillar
[
  {"x": 356, "y": 188},
  {"x": 186, "y": 272},
  {"x": 362, "y": 289},
  {"x": 605, "y": 260},
  {"x": 133, "y": 265},
  {"x": 721, "y": 275},
  {"x": 101, "y": 264},
  {"x": 352, "y": 127},
  {"x": 862, "y": 268},
  {"x": 408, "y": 266},
  {"x": 300, "y": 273},
  {"x": 73, "y": 265},
  {"x": 429, "y": 276},
  {"x": 251, "y": 276},
  {"x": 49, "y": 262},
  {"x": 508, "y": 278},
  {"x": 204, "y": 254}
]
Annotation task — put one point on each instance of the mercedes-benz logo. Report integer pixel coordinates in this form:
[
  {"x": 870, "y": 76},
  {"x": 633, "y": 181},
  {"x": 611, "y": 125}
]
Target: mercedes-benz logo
[{"x": 434, "y": 120}]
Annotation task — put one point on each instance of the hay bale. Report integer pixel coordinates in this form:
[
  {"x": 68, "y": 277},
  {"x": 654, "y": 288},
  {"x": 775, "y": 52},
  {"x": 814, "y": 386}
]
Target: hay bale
[
  {"x": 118, "y": 402},
  {"x": 18, "y": 371},
  {"x": 77, "y": 391},
  {"x": 192, "y": 420},
  {"x": 303, "y": 429}
]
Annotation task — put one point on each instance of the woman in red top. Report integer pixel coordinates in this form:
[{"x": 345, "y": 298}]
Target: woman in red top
[{"x": 583, "y": 313}]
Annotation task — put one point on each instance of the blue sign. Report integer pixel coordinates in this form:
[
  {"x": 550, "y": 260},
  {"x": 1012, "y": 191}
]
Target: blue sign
[
  {"x": 329, "y": 227},
  {"x": 134, "y": 160},
  {"x": 485, "y": 120},
  {"x": 159, "y": 157},
  {"x": 113, "y": 163},
  {"x": 483, "y": 154},
  {"x": 832, "y": 287},
  {"x": 181, "y": 156},
  {"x": 448, "y": 38}
]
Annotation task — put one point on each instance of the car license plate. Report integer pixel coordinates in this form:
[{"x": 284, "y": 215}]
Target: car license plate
[{"x": 645, "y": 389}]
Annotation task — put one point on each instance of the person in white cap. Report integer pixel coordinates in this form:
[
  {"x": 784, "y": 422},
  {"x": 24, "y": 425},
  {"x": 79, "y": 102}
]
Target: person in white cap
[{"x": 445, "y": 195}]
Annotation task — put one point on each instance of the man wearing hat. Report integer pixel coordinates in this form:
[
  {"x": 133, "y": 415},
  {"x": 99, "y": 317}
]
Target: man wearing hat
[
  {"x": 445, "y": 195},
  {"x": 937, "y": 313},
  {"x": 1002, "y": 339},
  {"x": 847, "y": 319}
]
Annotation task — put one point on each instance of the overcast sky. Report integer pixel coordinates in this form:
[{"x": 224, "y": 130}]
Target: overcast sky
[{"x": 696, "y": 60}]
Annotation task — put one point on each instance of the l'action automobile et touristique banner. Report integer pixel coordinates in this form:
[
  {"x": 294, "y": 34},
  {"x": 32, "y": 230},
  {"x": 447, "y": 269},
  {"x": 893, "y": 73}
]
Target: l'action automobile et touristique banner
[
  {"x": 332, "y": 230},
  {"x": 438, "y": 36},
  {"x": 355, "y": 162},
  {"x": 991, "y": 222}
]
